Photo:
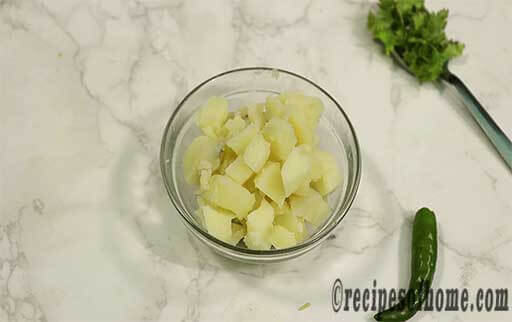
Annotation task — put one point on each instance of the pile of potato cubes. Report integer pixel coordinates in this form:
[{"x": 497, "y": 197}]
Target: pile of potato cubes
[{"x": 262, "y": 180}]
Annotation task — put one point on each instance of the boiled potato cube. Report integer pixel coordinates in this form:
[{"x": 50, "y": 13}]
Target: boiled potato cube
[
  {"x": 331, "y": 175},
  {"x": 218, "y": 222},
  {"x": 261, "y": 219},
  {"x": 204, "y": 179},
  {"x": 301, "y": 126},
  {"x": 239, "y": 142},
  {"x": 280, "y": 210},
  {"x": 293, "y": 224},
  {"x": 296, "y": 171},
  {"x": 255, "y": 114},
  {"x": 316, "y": 166},
  {"x": 233, "y": 126},
  {"x": 226, "y": 193},
  {"x": 303, "y": 189},
  {"x": 238, "y": 232},
  {"x": 202, "y": 148},
  {"x": 312, "y": 207},
  {"x": 290, "y": 222},
  {"x": 312, "y": 107},
  {"x": 239, "y": 171},
  {"x": 259, "y": 225},
  {"x": 281, "y": 136},
  {"x": 212, "y": 115},
  {"x": 274, "y": 107},
  {"x": 227, "y": 156},
  {"x": 257, "y": 153},
  {"x": 270, "y": 183},
  {"x": 258, "y": 240},
  {"x": 281, "y": 237},
  {"x": 314, "y": 110}
]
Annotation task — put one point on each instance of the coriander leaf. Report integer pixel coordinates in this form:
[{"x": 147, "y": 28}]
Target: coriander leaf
[{"x": 407, "y": 28}]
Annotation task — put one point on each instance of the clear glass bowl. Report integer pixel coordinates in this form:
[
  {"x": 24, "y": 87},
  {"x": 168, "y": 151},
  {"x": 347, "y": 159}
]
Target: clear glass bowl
[{"x": 239, "y": 87}]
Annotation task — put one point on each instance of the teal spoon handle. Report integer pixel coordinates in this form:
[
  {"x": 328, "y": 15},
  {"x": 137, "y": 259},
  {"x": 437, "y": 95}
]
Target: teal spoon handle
[{"x": 500, "y": 141}]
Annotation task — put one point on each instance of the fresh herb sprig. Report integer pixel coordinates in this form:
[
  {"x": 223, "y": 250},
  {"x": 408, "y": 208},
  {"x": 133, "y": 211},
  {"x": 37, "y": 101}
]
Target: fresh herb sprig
[{"x": 418, "y": 36}]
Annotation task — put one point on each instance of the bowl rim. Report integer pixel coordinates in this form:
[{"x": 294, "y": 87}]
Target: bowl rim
[{"x": 310, "y": 243}]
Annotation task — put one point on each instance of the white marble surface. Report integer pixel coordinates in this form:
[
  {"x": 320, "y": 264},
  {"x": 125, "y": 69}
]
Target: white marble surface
[{"x": 87, "y": 232}]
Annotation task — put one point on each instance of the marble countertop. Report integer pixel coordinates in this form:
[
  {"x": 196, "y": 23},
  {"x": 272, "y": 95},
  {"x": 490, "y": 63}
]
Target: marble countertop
[{"x": 87, "y": 232}]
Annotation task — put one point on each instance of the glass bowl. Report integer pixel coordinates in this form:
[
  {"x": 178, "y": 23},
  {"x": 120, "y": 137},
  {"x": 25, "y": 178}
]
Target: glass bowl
[{"x": 241, "y": 86}]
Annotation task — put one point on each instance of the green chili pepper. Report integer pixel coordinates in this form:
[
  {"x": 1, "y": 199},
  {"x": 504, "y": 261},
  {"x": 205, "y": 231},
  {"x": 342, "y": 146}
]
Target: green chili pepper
[{"x": 423, "y": 265}]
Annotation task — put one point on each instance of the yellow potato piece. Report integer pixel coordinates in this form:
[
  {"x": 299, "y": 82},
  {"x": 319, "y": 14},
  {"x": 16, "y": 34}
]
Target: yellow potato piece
[
  {"x": 296, "y": 171},
  {"x": 233, "y": 127},
  {"x": 239, "y": 171},
  {"x": 312, "y": 207},
  {"x": 258, "y": 240},
  {"x": 270, "y": 183},
  {"x": 280, "y": 210},
  {"x": 281, "y": 237},
  {"x": 212, "y": 115},
  {"x": 202, "y": 148},
  {"x": 261, "y": 219},
  {"x": 239, "y": 142},
  {"x": 330, "y": 177},
  {"x": 225, "y": 193},
  {"x": 257, "y": 153},
  {"x": 255, "y": 114},
  {"x": 274, "y": 107},
  {"x": 281, "y": 136},
  {"x": 218, "y": 222}
]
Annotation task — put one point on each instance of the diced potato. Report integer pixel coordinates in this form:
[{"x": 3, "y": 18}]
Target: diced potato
[
  {"x": 296, "y": 171},
  {"x": 331, "y": 175},
  {"x": 314, "y": 110},
  {"x": 280, "y": 210},
  {"x": 258, "y": 240},
  {"x": 238, "y": 232},
  {"x": 290, "y": 222},
  {"x": 202, "y": 148},
  {"x": 316, "y": 166},
  {"x": 227, "y": 156},
  {"x": 261, "y": 219},
  {"x": 270, "y": 183},
  {"x": 212, "y": 115},
  {"x": 218, "y": 222},
  {"x": 301, "y": 125},
  {"x": 239, "y": 171},
  {"x": 281, "y": 136},
  {"x": 204, "y": 179},
  {"x": 239, "y": 142},
  {"x": 257, "y": 153},
  {"x": 227, "y": 194},
  {"x": 281, "y": 237},
  {"x": 311, "y": 106},
  {"x": 259, "y": 225},
  {"x": 274, "y": 107},
  {"x": 255, "y": 186},
  {"x": 255, "y": 114},
  {"x": 312, "y": 207},
  {"x": 303, "y": 189},
  {"x": 233, "y": 127}
]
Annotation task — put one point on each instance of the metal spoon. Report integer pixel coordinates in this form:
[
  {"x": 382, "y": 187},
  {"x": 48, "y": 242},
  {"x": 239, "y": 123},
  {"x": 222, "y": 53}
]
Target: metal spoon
[{"x": 493, "y": 132}]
